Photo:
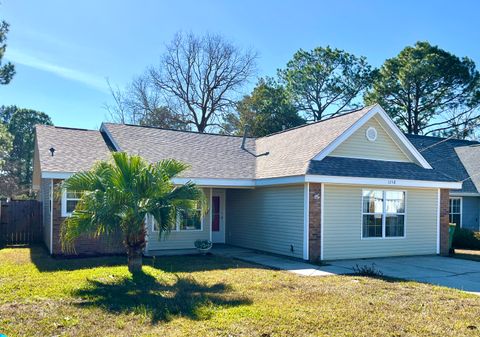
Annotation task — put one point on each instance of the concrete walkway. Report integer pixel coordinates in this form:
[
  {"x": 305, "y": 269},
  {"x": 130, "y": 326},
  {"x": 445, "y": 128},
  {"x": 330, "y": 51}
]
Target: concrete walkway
[{"x": 444, "y": 271}]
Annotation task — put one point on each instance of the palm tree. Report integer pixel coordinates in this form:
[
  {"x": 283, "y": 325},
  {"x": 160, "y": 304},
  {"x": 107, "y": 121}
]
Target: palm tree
[{"x": 117, "y": 196}]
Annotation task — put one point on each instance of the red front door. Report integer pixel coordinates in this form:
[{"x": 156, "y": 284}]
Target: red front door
[{"x": 215, "y": 213}]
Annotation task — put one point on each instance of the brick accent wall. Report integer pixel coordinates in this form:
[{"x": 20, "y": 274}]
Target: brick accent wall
[
  {"x": 84, "y": 245},
  {"x": 444, "y": 221},
  {"x": 314, "y": 221}
]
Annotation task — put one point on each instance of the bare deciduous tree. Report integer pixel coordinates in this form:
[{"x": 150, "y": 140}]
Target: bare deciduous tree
[
  {"x": 140, "y": 104},
  {"x": 199, "y": 77}
]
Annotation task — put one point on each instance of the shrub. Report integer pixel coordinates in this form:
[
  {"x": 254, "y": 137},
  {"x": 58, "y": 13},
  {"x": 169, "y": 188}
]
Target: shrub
[
  {"x": 466, "y": 239},
  {"x": 367, "y": 270},
  {"x": 203, "y": 244}
]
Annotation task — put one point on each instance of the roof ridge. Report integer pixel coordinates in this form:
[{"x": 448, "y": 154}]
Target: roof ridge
[
  {"x": 319, "y": 122},
  {"x": 441, "y": 138},
  {"x": 65, "y": 127},
  {"x": 176, "y": 130}
]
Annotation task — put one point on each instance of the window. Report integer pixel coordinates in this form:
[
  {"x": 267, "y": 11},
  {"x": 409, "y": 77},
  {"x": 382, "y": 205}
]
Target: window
[
  {"x": 455, "y": 211},
  {"x": 383, "y": 214},
  {"x": 190, "y": 220},
  {"x": 186, "y": 221},
  {"x": 69, "y": 201}
]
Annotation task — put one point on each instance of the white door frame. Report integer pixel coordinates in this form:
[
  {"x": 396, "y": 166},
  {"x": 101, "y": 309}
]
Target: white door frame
[{"x": 218, "y": 237}]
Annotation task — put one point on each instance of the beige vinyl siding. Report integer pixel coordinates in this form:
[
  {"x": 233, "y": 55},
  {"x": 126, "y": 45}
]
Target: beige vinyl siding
[
  {"x": 268, "y": 219},
  {"x": 358, "y": 146},
  {"x": 45, "y": 198},
  {"x": 180, "y": 239},
  {"x": 342, "y": 224}
]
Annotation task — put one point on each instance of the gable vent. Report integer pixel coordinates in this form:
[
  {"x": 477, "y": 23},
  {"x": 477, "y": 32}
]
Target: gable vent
[{"x": 371, "y": 134}]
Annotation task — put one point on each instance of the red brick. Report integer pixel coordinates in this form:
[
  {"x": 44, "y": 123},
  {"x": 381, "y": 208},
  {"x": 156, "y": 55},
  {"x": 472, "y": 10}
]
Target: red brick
[
  {"x": 444, "y": 221},
  {"x": 314, "y": 222},
  {"x": 84, "y": 245}
]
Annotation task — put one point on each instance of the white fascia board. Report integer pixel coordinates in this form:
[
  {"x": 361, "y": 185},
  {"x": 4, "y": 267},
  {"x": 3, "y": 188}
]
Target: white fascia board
[
  {"x": 464, "y": 194},
  {"x": 340, "y": 139},
  {"x": 57, "y": 175},
  {"x": 412, "y": 149},
  {"x": 376, "y": 109},
  {"x": 251, "y": 183},
  {"x": 382, "y": 181},
  {"x": 216, "y": 182}
]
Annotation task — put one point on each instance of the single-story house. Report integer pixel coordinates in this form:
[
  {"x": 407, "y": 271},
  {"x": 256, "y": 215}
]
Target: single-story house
[
  {"x": 352, "y": 186},
  {"x": 460, "y": 160}
]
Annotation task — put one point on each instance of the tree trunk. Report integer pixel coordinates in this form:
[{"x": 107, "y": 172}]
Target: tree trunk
[{"x": 135, "y": 261}]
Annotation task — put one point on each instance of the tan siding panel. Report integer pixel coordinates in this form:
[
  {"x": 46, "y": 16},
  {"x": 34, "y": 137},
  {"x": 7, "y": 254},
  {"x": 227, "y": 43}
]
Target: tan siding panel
[
  {"x": 358, "y": 146},
  {"x": 180, "y": 239},
  {"x": 342, "y": 225},
  {"x": 268, "y": 219}
]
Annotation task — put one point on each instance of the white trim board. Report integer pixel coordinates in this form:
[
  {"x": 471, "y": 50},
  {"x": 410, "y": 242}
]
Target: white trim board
[
  {"x": 375, "y": 110},
  {"x": 309, "y": 178},
  {"x": 438, "y": 221}
]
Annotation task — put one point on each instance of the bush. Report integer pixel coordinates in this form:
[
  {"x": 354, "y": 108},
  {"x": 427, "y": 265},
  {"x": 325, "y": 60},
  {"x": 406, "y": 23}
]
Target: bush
[
  {"x": 466, "y": 239},
  {"x": 203, "y": 244},
  {"x": 366, "y": 270}
]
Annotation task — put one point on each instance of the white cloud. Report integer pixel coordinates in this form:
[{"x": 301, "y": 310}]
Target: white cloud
[{"x": 93, "y": 81}]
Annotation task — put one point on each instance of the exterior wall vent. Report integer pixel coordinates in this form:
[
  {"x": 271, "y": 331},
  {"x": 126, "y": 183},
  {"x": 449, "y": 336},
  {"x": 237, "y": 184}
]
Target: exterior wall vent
[{"x": 371, "y": 134}]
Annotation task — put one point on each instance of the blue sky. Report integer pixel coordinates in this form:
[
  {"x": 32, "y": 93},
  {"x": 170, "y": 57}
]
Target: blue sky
[{"x": 65, "y": 50}]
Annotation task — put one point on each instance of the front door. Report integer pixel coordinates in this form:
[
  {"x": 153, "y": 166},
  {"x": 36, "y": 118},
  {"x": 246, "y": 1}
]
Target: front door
[{"x": 218, "y": 216}]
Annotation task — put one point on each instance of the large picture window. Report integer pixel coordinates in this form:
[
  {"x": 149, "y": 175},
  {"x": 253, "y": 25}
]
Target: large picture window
[
  {"x": 455, "y": 211},
  {"x": 383, "y": 214}
]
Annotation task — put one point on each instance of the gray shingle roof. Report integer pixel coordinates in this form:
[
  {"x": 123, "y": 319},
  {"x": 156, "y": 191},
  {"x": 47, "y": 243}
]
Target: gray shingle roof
[
  {"x": 75, "y": 149},
  {"x": 217, "y": 156},
  {"x": 290, "y": 152},
  {"x": 470, "y": 157},
  {"x": 441, "y": 155},
  {"x": 365, "y": 168},
  {"x": 210, "y": 156}
]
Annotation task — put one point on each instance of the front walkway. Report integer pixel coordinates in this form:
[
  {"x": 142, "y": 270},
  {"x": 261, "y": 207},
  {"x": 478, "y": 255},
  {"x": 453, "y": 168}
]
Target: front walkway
[{"x": 443, "y": 271}]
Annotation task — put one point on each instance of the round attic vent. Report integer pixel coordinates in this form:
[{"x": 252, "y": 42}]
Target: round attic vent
[{"x": 371, "y": 134}]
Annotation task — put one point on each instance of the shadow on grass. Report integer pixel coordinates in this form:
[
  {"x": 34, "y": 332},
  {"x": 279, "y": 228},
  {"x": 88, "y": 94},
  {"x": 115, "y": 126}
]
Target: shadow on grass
[
  {"x": 158, "y": 300},
  {"x": 172, "y": 264},
  {"x": 45, "y": 263}
]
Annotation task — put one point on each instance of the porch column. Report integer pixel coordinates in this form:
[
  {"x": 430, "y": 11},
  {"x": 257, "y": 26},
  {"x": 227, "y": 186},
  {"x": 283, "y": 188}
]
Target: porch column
[
  {"x": 314, "y": 221},
  {"x": 444, "y": 221}
]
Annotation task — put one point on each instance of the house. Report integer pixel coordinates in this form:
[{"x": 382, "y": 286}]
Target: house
[
  {"x": 460, "y": 160},
  {"x": 352, "y": 186}
]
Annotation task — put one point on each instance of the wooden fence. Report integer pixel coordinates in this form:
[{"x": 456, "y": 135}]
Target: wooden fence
[{"x": 20, "y": 222}]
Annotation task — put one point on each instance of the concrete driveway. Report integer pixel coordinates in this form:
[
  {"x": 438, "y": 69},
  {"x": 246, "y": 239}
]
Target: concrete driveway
[{"x": 443, "y": 271}]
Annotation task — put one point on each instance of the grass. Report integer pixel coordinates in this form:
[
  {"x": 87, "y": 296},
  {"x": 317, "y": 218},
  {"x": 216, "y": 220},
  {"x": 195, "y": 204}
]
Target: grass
[
  {"x": 215, "y": 296},
  {"x": 467, "y": 254}
]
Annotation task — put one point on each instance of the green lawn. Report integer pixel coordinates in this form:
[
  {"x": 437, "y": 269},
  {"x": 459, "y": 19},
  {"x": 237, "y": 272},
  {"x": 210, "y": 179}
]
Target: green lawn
[{"x": 214, "y": 296}]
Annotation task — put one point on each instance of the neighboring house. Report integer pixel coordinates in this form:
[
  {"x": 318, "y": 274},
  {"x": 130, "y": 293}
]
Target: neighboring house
[
  {"x": 460, "y": 160},
  {"x": 352, "y": 186}
]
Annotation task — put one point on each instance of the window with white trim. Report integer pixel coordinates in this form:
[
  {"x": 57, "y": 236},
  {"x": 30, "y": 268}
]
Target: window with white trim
[
  {"x": 383, "y": 214},
  {"x": 455, "y": 211},
  {"x": 186, "y": 220},
  {"x": 190, "y": 220},
  {"x": 69, "y": 201}
]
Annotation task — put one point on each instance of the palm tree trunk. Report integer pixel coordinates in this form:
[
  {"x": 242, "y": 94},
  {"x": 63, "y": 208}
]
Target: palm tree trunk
[{"x": 135, "y": 261}]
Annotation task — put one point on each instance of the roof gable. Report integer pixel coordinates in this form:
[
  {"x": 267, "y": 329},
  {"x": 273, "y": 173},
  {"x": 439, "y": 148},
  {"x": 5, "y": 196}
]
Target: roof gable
[
  {"x": 290, "y": 151},
  {"x": 75, "y": 149},
  {"x": 391, "y": 132},
  {"x": 383, "y": 147}
]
